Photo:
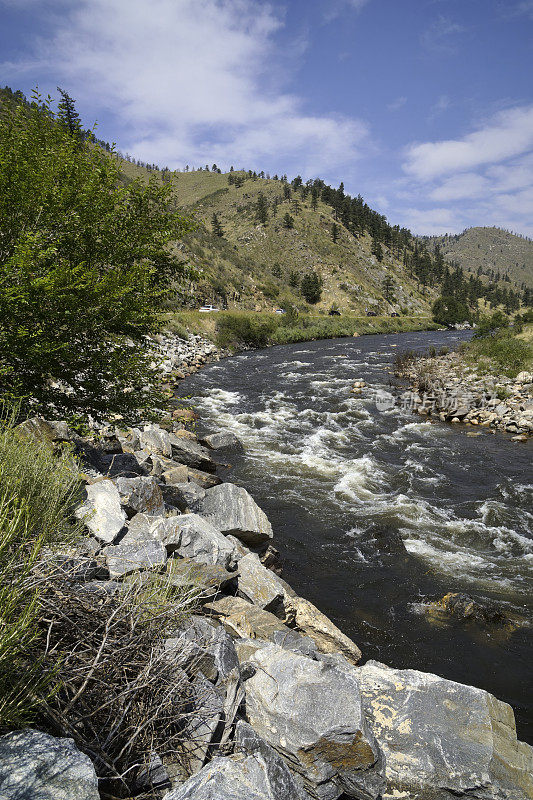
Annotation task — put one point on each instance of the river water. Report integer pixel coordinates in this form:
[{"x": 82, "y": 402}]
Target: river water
[{"x": 377, "y": 513}]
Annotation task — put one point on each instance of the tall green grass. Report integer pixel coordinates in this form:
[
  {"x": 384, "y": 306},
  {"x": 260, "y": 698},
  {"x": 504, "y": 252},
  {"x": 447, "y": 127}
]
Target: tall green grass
[
  {"x": 37, "y": 494},
  {"x": 503, "y": 351}
]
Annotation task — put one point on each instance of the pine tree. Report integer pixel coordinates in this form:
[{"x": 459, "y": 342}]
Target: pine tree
[
  {"x": 67, "y": 114},
  {"x": 261, "y": 209},
  {"x": 388, "y": 289},
  {"x": 377, "y": 250},
  {"x": 334, "y": 231},
  {"x": 314, "y": 198},
  {"x": 218, "y": 230},
  {"x": 311, "y": 287},
  {"x": 288, "y": 221}
]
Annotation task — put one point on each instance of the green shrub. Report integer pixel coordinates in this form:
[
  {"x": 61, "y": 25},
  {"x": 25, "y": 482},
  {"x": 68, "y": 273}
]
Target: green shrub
[
  {"x": 234, "y": 329},
  {"x": 508, "y": 354},
  {"x": 37, "y": 495}
]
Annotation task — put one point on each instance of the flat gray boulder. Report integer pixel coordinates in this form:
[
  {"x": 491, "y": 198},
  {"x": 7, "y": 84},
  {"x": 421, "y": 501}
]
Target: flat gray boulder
[
  {"x": 311, "y": 713},
  {"x": 183, "y": 496},
  {"x": 102, "y": 512},
  {"x": 281, "y": 780},
  {"x": 442, "y": 739},
  {"x": 220, "y": 440},
  {"x": 233, "y": 511},
  {"x": 246, "y": 620},
  {"x": 123, "y": 559},
  {"x": 36, "y": 766},
  {"x": 141, "y": 496}
]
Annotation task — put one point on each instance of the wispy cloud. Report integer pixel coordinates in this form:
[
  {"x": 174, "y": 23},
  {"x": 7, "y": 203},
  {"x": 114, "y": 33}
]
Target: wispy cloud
[
  {"x": 334, "y": 8},
  {"x": 441, "y": 36},
  {"x": 398, "y": 103},
  {"x": 517, "y": 9},
  {"x": 192, "y": 81},
  {"x": 438, "y": 108}
]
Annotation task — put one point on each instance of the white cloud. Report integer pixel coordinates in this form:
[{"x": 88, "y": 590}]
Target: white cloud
[
  {"x": 508, "y": 135},
  {"x": 398, "y": 103},
  {"x": 438, "y": 108},
  {"x": 441, "y": 36},
  {"x": 486, "y": 176},
  {"x": 192, "y": 81},
  {"x": 334, "y": 8},
  {"x": 433, "y": 221}
]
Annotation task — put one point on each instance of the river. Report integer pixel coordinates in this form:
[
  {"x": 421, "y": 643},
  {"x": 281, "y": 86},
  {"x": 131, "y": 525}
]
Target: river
[{"x": 377, "y": 512}]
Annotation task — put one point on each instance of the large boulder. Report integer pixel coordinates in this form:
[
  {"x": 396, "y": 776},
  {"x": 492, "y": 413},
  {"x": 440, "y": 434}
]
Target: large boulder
[
  {"x": 102, "y": 513},
  {"x": 36, "y": 766},
  {"x": 313, "y": 623},
  {"x": 203, "y": 646},
  {"x": 442, "y": 739},
  {"x": 123, "y": 559},
  {"x": 233, "y": 511},
  {"x": 282, "y": 781},
  {"x": 141, "y": 496},
  {"x": 191, "y": 453},
  {"x": 192, "y": 536},
  {"x": 260, "y": 586},
  {"x": 183, "y": 496},
  {"x": 311, "y": 713},
  {"x": 249, "y": 777},
  {"x": 204, "y": 579},
  {"x": 156, "y": 440},
  {"x": 43, "y": 430},
  {"x": 221, "y": 440}
]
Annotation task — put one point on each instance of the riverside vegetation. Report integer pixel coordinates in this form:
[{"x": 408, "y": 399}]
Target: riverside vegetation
[{"x": 148, "y": 646}]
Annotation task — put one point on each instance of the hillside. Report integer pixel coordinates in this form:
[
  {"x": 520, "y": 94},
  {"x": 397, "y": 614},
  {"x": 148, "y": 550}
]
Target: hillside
[
  {"x": 258, "y": 266},
  {"x": 491, "y": 250}
]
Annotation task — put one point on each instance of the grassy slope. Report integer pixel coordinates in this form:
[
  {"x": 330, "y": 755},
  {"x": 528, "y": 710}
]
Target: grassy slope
[
  {"x": 244, "y": 259},
  {"x": 490, "y": 248}
]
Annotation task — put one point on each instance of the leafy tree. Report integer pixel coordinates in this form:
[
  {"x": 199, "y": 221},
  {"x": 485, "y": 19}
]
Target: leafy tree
[
  {"x": 85, "y": 265},
  {"x": 311, "y": 287},
  {"x": 288, "y": 221},
  {"x": 261, "y": 209},
  {"x": 448, "y": 310},
  {"x": 335, "y": 232},
  {"x": 218, "y": 230}
]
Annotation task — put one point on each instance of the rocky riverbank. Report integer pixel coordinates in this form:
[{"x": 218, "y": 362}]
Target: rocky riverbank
[
  {"x": 448, "y": 388},
  {"x": 288, "y": 708}
]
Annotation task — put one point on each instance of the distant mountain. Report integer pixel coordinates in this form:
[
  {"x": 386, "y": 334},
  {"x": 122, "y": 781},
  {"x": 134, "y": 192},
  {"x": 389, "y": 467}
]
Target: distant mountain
[{"x": 494, "y": 251}]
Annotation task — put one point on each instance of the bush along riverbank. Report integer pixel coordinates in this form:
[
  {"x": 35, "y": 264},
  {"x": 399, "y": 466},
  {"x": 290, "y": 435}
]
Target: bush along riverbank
[{"x": 185, "y": 667}]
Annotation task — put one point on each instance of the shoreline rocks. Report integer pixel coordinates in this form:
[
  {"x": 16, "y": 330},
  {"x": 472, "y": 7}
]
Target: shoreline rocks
[
  {"x": 446, "y": 388},
  {"x": 280, "y": 707}
]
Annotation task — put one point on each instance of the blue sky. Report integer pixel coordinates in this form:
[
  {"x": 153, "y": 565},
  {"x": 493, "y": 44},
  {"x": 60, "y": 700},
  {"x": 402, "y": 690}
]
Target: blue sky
[{"x": 424, "y": 107}]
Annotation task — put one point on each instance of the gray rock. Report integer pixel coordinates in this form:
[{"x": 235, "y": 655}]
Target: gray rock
[
  {"x": 206, "y": 647},
  {"x": 229, "y": 779},
  {"x": 175, "y": 475},
  {"x": 200, "y": 725},
  {"x": 220, "y": 440},
  {"x": 184, "y": 496},
  {"x": 122, "y": 559},
  {"x": 35, "y": 766},
  {"x": 102, "y": 513},
  {"x": 260, "y": 586},
  {"x": 441, "y": 739},
  {"x": 43, "y": 430},
  {"x": 198, "y": 539},
  {"x": 156, "y": 440},
  {"x": 311, "y": 713},
  {"x": 123, "y": 465},
  {"x": 141, "y": 495},
  {"x": 282, "y": 782},
  {"x": 232, "y": 510},
  {"x": 191, "y": 453}
]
